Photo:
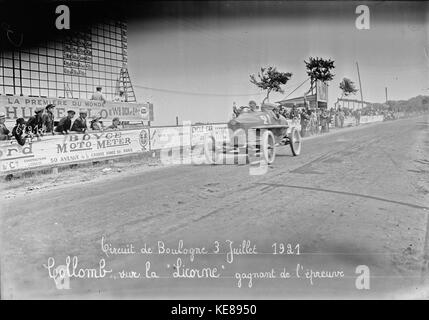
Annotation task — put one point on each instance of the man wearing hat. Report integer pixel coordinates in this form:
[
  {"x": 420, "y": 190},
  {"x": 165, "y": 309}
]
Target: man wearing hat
[
  {"x": 35, "y": 123},
  {"x": 4, "y": 132},
  {"x": 18, "y": 131},
  {"x": 115, "y": 124},
  {"x": 324, "y": 120},
  {"x": 341, "y": 117},
  {"x": 96, "y": 124},
  {"x": 97, "y": 95},
  {"x": 65, "y": 123},
  {"x": 48, "y": 118},
  {"x": 305, "y": 119},
  {"x": 79, "y": 124},
  {"x": 294, "y": 112},
  {"x": 252, "y": 105}
]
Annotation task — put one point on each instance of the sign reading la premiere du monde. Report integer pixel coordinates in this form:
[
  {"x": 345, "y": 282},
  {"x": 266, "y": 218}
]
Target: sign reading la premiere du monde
[{"x": 23, "y": 107}]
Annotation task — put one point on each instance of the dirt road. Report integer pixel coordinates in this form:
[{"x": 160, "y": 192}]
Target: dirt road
[{"x": 357, "y": 197}]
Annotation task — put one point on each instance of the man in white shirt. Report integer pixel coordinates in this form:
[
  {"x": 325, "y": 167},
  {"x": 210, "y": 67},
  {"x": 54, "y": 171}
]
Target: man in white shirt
[{"x": 97, "y": 95}]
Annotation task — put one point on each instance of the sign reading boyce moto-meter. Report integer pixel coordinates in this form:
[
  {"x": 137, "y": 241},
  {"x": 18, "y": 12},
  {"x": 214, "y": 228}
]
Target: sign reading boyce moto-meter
[{"x": 71, "y": 148}]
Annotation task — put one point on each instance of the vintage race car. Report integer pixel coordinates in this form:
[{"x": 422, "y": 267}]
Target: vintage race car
[{"x": 258, "y": 133}]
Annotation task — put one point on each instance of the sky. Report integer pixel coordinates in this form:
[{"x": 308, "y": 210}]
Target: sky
[{"x": 197, "y": 58}]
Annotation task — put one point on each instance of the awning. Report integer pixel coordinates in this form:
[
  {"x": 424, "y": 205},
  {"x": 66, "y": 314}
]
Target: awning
[{"x": 297, "y": 101}]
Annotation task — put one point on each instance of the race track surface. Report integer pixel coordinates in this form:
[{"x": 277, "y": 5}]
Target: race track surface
[{"x": 354, "y": 197}]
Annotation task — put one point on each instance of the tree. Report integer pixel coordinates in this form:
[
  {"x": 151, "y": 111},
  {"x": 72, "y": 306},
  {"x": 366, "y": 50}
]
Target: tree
[
  {"x": 271, "y": 80},
  {"x": 319, "y": 69},
  {"x": 348, "y": 87}
]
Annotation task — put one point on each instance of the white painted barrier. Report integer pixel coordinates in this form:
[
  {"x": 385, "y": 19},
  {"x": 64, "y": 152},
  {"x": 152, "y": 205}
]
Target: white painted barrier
[
  {"x": 370, "y": 119},
  {"x": 169, "y": 137},
  {"x": 220, "y": 132},
  {"x": 71, "y": 148},
  {"x": 74, "y": 148}
]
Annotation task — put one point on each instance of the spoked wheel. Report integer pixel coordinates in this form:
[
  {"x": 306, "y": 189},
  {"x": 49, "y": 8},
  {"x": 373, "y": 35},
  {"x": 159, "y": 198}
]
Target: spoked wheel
[
  {"x": 295, "y": 141},
  {"x": 210, "y": 149},
  {"x": 268, "y": 146}
]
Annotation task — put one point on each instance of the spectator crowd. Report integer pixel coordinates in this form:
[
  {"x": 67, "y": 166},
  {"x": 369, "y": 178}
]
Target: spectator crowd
[
  {"x": 320, "y": 120},
  {"x": 43, "y": 122}
]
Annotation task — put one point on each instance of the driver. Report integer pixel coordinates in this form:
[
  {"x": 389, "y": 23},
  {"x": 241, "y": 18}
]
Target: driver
[
  {"x": 277, "y": 113},
  {"x": 252, "y": 105}
]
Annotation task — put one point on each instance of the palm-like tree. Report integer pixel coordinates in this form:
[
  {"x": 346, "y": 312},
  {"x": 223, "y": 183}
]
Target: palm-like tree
[
  {"x": 319, "y": 69},
  {"x": 271, "y": 80}
]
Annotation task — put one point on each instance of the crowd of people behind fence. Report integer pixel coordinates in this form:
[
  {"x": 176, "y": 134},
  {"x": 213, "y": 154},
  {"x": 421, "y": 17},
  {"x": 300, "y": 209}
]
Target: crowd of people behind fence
[
  {"x": 319, "y": 120},
  {"x": 42, "y": 122},
  {"x": 313, "y": 121}
]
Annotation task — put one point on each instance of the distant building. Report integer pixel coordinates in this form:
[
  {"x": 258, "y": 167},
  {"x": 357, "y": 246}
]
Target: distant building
[
  {"x": 316, "y": 99},
  {"x": 352, "y": 104}
]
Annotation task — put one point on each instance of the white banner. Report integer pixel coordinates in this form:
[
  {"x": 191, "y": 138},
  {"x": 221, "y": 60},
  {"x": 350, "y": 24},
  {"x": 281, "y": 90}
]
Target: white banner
[
  {"x": 220, "y": 132},
  {"x": 349, "y": 121},
  {"x": 369, "y": 119},
  {"x": 23, "y": 107},
  {"x": 169, "y": 137},
  {"x": 71, "y": 148}
]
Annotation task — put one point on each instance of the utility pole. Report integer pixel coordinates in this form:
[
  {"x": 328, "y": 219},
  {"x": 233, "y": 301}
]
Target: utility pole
[
  {"x": 386, "y": 94},
  {"x": 360, "y": 85}
]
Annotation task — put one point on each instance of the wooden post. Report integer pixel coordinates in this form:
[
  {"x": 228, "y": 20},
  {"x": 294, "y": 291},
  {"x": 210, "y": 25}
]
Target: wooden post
[{"x": 360, "y": 85}]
